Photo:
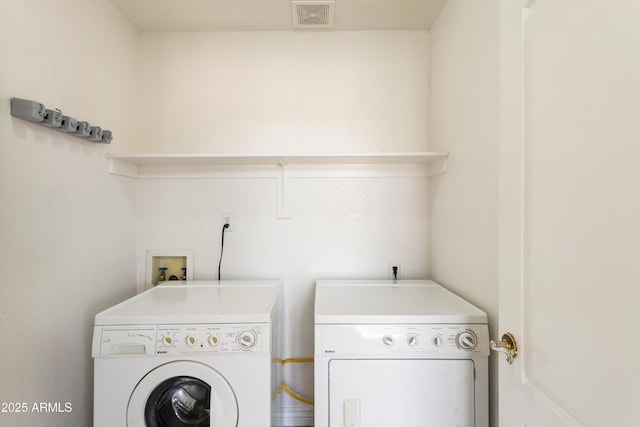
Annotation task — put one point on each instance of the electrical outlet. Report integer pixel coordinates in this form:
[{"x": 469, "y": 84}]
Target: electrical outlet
[
  {"x": 394, "y": 270},
  {"x": 227, "y": 218}
]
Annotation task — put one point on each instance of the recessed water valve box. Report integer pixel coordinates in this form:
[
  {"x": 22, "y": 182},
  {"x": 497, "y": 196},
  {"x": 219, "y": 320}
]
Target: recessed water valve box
[
  {"x": 68, "y": 125},
  {"x": 27, "y": 110},
  {"x": 84, "y": 130},
  {"x": 176, "y": 265}
]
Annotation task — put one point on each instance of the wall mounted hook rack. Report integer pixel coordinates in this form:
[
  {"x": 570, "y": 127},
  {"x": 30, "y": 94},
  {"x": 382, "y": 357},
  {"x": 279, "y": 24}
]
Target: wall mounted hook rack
[{"x": 37, "y": 113}]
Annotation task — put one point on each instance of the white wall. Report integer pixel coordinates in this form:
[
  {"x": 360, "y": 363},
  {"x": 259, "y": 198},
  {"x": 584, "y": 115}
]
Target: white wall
[
  {"x": 288, "y": 92},
  {"x": 464, "y": 122},
  {"x": 340, "y": 227},
  {"x": 67, "y": 227}
]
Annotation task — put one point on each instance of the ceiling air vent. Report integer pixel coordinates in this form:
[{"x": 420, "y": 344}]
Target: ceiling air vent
[{"x": 312, "y": 14}]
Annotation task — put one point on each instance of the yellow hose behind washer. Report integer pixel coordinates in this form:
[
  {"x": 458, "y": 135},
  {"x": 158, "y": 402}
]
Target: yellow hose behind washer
[{"x": 287, "y": 389}]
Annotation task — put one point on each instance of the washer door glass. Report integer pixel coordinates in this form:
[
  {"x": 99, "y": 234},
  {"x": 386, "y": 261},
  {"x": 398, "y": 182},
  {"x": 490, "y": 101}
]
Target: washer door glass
[
  {"x": 182, "y": 394},
  {"x": 179, "y": 401}
]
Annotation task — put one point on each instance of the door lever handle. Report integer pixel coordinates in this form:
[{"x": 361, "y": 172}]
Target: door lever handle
[{"x": 506, "y": 345}]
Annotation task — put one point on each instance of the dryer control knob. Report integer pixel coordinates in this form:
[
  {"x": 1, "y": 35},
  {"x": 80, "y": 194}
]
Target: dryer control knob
[
  {"x": 466, "y": 340},
  {"x": 191, "y": 340},
  {"x": 387, "y": 340},
  {"x": 437, "y": 340},
  {"x": 167, "y": 340},
  {"x": 412, "y": 340},
  {"x": 246, "y": 340}
]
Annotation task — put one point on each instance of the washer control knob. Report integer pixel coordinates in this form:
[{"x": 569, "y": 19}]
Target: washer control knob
[
  {"x": 246, "y": 340},
  {"x": 466, "y": 340},
  {"x": 167, "y": 340},
  {"x": 387, "y": 340},
  {"x": 191, "y": 340},
  {"x": 412, "y": 340},
  {"x": 213, "y": 340}
]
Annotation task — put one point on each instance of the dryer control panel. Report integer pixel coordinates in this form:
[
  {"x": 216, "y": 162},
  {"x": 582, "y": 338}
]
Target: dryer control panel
[
  {"x": 441, "y": 340},
  {"x": 171, "y": 340}
]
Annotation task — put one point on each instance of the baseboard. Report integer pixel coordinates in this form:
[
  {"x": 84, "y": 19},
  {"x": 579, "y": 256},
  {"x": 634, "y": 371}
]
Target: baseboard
[
  {"x": 294, "y": 416},
  {"x": 291, "y": 413}
]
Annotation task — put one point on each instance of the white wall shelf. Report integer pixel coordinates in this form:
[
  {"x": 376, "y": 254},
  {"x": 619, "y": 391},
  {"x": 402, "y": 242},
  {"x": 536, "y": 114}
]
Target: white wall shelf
[
  {"x": 279, "y": 167},
  {"x": 227, "y": 159}
]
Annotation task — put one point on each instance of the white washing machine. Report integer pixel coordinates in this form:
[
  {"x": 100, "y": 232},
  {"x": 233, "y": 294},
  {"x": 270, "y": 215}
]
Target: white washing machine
[
  {"x": 195, "y": 354},
  {"x": 398, "y": 353}
]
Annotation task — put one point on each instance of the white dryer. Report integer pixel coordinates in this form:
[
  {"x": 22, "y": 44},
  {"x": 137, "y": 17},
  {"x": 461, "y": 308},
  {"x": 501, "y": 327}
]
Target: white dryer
[
  {"x": 398, "y": 353},
  {"x": 195, "y": 354}
]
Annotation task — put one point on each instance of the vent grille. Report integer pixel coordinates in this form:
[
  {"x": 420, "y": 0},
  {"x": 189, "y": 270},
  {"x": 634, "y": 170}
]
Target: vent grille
[{"x": 312, "y": 14}]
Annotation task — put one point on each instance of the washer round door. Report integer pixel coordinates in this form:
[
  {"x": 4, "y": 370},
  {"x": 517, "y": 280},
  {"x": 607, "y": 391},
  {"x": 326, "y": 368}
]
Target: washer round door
[{"x": 183, "y": 394}]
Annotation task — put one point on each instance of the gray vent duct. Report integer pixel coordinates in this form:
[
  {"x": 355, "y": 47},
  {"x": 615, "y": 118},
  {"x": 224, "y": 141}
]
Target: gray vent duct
[{"x": 312, "y": 14}]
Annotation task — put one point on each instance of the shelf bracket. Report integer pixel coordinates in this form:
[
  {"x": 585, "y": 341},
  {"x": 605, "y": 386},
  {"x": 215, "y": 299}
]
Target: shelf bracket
[
  {"x": 438, "y": 167},
  {"x": 123, "y": 168},
  {"x": 282, "y": 191}
]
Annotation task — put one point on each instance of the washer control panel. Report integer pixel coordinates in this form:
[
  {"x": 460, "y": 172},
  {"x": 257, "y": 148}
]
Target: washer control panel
[
  {"x": 170, "y": 340},
  {"x": 406, "y": 339}
]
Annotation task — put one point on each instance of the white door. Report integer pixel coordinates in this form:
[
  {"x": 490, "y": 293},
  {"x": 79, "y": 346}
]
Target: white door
[{"x": 570, "y": 212}]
